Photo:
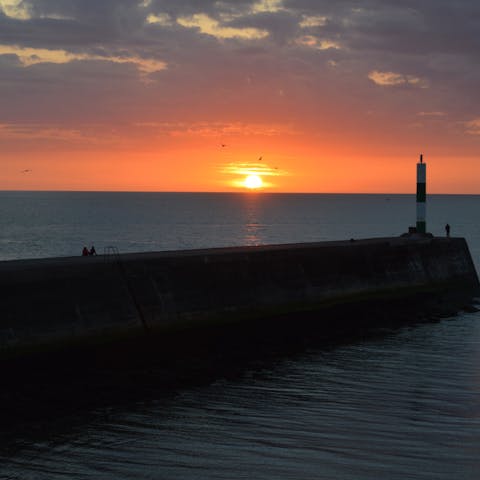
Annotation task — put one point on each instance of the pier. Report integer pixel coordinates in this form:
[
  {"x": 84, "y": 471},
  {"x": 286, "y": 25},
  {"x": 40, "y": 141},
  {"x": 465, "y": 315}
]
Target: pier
[{"x": 59, "y": 302}]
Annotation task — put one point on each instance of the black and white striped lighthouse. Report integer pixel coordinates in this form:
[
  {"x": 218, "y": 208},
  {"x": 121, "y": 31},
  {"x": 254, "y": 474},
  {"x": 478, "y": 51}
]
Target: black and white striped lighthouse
[{"x": 421, "y": 196}]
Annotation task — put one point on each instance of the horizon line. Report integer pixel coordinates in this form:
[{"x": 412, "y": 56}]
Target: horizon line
[{"x": 242, "y": 192}]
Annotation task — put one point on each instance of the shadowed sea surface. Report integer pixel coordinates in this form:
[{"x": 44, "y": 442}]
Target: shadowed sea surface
[{"x": 396, "y": 402}]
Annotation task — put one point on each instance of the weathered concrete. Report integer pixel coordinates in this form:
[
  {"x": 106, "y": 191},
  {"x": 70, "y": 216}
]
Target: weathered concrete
[{"x": 62, "y": 300}]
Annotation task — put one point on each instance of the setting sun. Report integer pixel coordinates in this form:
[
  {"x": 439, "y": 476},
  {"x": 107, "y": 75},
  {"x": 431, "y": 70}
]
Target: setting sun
[{"x": 253, "y": 181}]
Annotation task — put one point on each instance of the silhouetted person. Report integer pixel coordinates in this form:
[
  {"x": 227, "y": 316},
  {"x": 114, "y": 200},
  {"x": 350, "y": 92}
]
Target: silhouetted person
[
  {"x": 447, "y": 229},
  {"x": 85, "y": 252},
  {"x": 92, "y": 251}
]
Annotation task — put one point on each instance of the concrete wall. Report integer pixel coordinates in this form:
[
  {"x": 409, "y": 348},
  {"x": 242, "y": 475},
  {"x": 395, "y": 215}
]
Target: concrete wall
[{"x": 53, "y": 301}]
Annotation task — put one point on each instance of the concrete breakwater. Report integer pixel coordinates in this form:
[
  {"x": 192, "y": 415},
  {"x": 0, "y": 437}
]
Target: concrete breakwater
[{"x": 57, "y": 301}]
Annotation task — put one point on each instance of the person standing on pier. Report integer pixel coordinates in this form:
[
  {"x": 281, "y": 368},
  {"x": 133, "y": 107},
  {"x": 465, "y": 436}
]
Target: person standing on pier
[{"x": 447, "y": 229}]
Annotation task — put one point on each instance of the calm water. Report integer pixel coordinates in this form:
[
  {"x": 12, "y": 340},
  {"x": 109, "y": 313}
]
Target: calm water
[{"x": 398, "y": 403}]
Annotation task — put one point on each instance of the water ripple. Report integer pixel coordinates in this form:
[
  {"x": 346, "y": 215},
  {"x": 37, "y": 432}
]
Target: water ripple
[{"x": 398, "y": 406}]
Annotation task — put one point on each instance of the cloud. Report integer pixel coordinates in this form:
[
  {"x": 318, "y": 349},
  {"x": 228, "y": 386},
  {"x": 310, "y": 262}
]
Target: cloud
[
  {"x": 252, "y": 168},
  {"x": 239, "y": 67},
  {"x": 431, "y": 114},
  {"x": 32, "y": 56},
  {"x": 473, "y": 126},
  {"x": 32, "y": 132},
  {"x": 271, "y": 6},
  {"x": 15, "y": 9},
  {"x": 394, "y": 79},
  {"x": 218, "y": 129},
  {"x": 317, "y": 43},
  {"x": 313, "y": 21},
  {"x": 210, "y": 26},
  {"x": 84, "y": 136},
  {"x": 162, "y": 19}
]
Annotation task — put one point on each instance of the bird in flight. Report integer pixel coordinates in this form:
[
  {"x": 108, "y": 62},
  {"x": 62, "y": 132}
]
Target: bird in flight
[{"x": 27, "y": 170}]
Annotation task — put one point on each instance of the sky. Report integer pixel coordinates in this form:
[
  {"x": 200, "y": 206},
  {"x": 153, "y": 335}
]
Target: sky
[{"x": 197, "y": 95}]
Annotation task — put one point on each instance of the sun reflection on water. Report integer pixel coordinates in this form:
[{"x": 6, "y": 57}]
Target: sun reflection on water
[{"x": 253, "y": 227}]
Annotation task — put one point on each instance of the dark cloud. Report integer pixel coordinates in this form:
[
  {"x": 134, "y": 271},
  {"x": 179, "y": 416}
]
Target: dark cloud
[
  {"x": 414, "y": 27},
  {"x": 317, "y": 57}
]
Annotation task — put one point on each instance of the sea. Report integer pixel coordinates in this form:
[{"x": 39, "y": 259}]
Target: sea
[{"x": 399, "y": 402}]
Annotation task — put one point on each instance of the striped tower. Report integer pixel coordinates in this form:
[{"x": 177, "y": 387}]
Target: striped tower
[{"x": 421, "y": 196}]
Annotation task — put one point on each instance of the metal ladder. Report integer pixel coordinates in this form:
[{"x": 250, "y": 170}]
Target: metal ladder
[{"x": 112, "y": 255}]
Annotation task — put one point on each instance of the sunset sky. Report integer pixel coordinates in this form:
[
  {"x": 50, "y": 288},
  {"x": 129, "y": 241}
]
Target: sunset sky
[{"x": 196, "y": 95}]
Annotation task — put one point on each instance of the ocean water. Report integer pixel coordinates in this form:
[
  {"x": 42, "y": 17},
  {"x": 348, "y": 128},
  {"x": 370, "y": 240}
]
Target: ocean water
[{"x": 397, "y": 403}]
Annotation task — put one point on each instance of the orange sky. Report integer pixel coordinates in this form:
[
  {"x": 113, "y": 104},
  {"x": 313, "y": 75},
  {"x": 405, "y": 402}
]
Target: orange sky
[{"x": 151, "y": 96}]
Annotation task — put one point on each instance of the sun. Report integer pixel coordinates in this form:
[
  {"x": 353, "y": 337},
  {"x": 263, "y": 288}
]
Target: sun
[{"x": 253, "y": 181}]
